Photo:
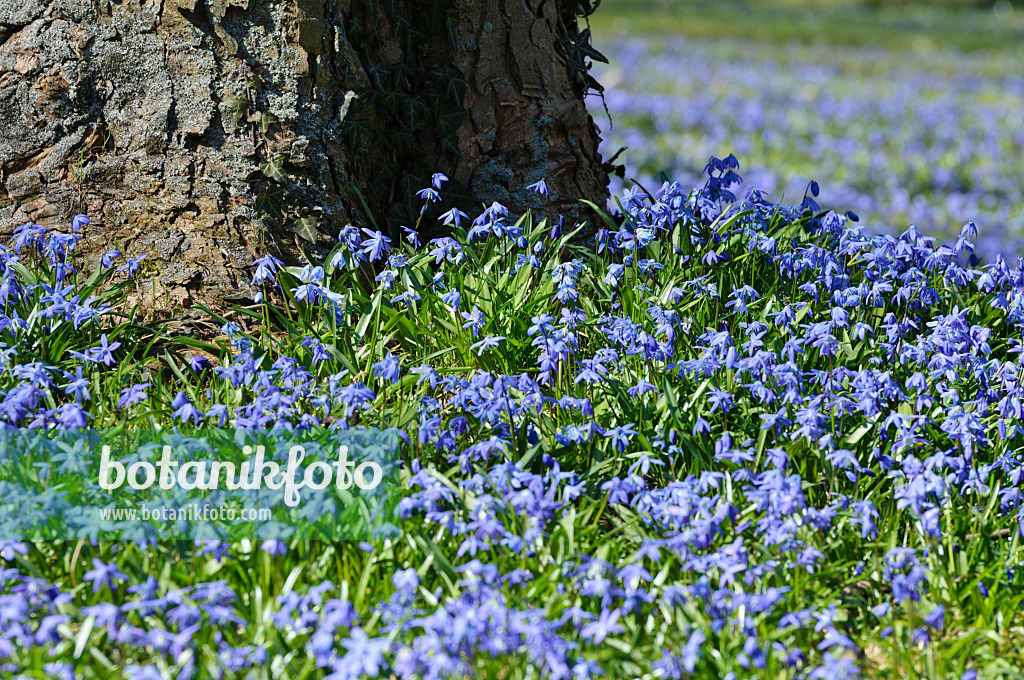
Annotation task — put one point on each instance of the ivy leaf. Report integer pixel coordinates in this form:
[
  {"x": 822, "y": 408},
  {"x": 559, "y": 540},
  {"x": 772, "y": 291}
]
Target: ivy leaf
[
  {"x": 274, "y": 168},
  {"x": 266, "y": 120},
  {"x": 585, "y": 46},
  {"x": 305, "y": 225},
  {"x": 236, "y": 107},
  {"x": 269, "y": 202}
]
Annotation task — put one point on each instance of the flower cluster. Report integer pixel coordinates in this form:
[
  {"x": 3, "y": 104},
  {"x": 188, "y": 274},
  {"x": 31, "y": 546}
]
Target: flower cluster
[
  {"x": 928, "y": 140},
  {"x": 726, "y": 438}
]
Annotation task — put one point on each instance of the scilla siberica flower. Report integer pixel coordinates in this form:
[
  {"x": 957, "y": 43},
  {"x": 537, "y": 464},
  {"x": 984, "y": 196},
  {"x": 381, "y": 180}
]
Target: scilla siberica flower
[
  {"x": 108, "y": 257},
  {"x": 376, "y": 245},
  {"x": 131, "y": 265},
  {"x": 104, "y": 575},
  {"x": 540, "y": 186},
  {"x": 102, "y": 353},
  {"x": 133, "y": 394},
  {"x": 266, "y": 269},
  {"x": 388, "y": 369},
  {"x": 474, "y": 320},
  {"x": 310, "y": 291},
  {"x": 429, "y": 195},
  {"x": 489, "y": 342},
  {"x": 185, "y": 410},
  {"x": 453, "y": 217}
]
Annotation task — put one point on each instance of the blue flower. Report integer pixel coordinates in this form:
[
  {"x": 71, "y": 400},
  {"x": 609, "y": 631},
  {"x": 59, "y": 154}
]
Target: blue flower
[
  {"x": 474, "y": 320},
  {"x": 620, "y": 436},
  {"x": 319, "y": 351},
  {"x": 274, "y": 547},
  {"x": 488, "y": 342},
  {"x": 607, "y": 624},
  {"x": 198, "y": 363},
  {"x": 78, "y": 386},
  {"x": 540, "y": 186},
  {"x": 104, "y": 575},
  {"x": 714, "y": 258},
  {"x": 184, "y": 410},
  {"x": 412, "y": 237},
  {"x": 936, "y": 618},
  {"x": 692, "y": 649},
  {"x": 429, "y": 194},
  {"x": 311, "y": 274},
  {"x": 388, "y": 369},
  {"x": 104, "y": 353},
  {"x": 132, "y": 265},
  {"x": 308, "y": 292},
  {"x": 133, "y": 394},
  {"x": 376, "y": 245},
  {"x": 453, "y": 217}
]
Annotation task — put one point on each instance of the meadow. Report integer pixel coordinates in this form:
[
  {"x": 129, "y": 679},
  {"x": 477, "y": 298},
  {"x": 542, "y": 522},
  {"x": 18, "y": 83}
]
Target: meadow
[
  {"x": 906, "y": 116},
  {"x": 723, "y": 436}
]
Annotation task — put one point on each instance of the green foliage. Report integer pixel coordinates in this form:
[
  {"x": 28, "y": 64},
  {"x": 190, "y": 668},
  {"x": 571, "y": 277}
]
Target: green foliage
[
  {"x": 360, "y": 322},
  {"x": 896, "y": 25}
]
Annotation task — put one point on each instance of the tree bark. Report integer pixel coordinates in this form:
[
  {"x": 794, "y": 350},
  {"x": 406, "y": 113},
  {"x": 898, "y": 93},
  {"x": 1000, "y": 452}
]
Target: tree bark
[{"x": 205, "y": 132}]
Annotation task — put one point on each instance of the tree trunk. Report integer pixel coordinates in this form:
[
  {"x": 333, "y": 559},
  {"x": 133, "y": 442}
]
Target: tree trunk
[{"x": 204, "y": 132}]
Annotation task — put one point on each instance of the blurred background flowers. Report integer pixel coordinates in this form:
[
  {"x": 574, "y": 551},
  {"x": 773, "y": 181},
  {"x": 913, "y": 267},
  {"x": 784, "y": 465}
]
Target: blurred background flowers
[{"x": 906, "y": 113}]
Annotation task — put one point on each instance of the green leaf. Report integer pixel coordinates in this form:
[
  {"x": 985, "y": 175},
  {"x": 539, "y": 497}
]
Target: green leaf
[
  {"x": 274, "y": 169},
  {"x": 602, "y": 214},
  {"x": 305, "y": 225},
  {"x": 236, "y": 107},
  {"x": 82, "y": 639},
  {"x": 198, "y": 344},
  {"x": 266, "y": 120}
]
